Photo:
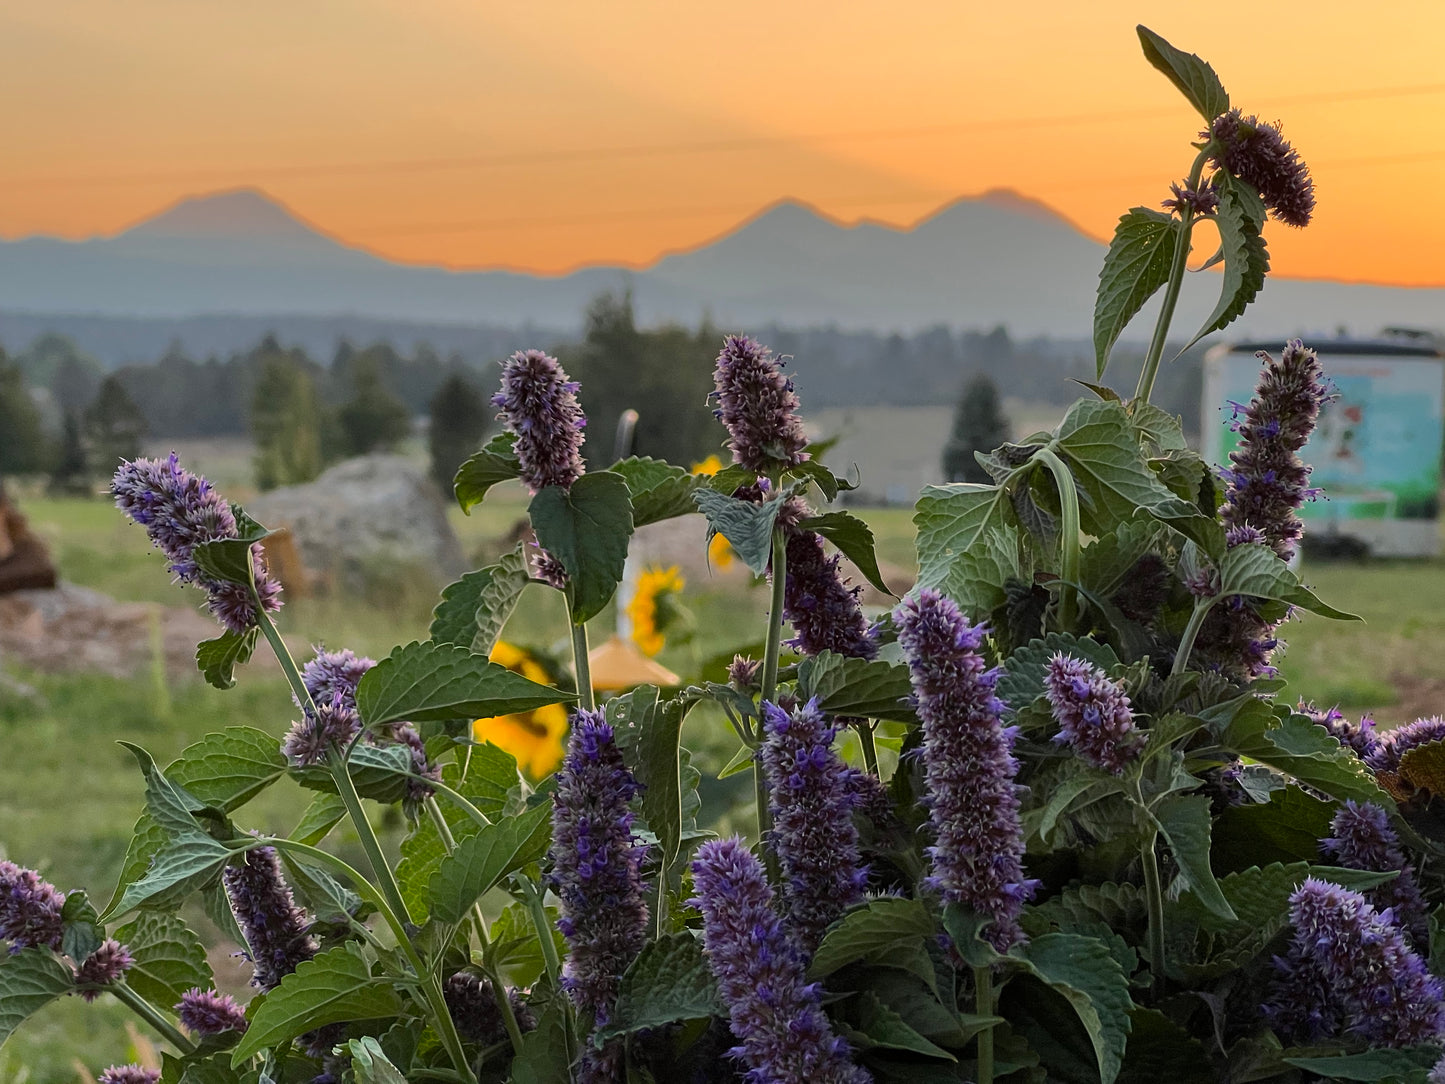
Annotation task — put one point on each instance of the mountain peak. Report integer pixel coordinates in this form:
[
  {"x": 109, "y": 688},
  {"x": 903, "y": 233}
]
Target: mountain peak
[{"x": 237, "y": 213}]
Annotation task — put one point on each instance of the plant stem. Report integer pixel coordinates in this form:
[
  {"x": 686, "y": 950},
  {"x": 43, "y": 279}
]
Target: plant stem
[
  {"x": 336, "y": 764},
  {"x": 550, "y": 960},
  {"x": 1068, "y": 537},
  {"x": 581, "y": 666},
  {"x": 1154, "y": 895},
  {"x": 769, "y": 691},
  {"x": 870, "y": 750},
  {"x": 479, "y": 923},
  {"x": 1191, "y": 633},
  {"x": 1171, "y": 291},
  {"x": 983, "y": 1005},
  {"x": 151, "y": 1015}
]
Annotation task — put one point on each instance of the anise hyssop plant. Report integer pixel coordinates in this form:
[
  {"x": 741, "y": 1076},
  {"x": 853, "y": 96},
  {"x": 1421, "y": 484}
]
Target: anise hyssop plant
[{"x": 1041, "y": 819}]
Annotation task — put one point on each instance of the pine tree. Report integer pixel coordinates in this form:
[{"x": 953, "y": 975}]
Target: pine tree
[
  {"x": 374, "y": 417},
  {"x": 23, "y": 446},
  {"x": 71, "y": 471},
  {"x": 285, "y": 420},
  {"x": 459, "y": 421},
  {"x": 113, "y": 425},
  {"x": 978, "y": 426}
]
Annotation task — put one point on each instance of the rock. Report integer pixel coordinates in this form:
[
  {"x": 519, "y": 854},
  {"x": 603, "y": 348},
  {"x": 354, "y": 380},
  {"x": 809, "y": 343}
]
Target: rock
[
  {"x": 24, "y": 561},
  {"x": 362, "y": 516}
]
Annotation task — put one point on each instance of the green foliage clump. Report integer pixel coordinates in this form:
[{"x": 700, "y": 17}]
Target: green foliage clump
[
  {"x": 979, "y": 425},
  {"x": 460, "y": 418}
]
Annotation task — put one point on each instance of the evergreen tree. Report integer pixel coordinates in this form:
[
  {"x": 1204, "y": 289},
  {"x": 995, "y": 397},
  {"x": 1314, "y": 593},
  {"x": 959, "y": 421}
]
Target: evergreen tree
[
  {"x": 71, "y": 472},
  {"x": 113, "y": 425},
  {"x": 978, "y": 426},
  {"x": 285, "y": 420},
  {"x": 23, "y": 446},
  {"x": 459, "y": 421},
  {"x": 373, "y": 418}
]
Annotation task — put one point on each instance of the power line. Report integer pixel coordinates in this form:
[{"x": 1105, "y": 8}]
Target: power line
[{"x": 591, "y": 154}]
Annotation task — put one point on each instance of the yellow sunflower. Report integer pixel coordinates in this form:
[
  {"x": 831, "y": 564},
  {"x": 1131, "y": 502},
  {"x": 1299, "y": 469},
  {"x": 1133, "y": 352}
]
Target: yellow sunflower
[
  {"x": 536, "y": 738},
  {"x": 651, "y": 608},
  {"x": 719, "y": 549}
]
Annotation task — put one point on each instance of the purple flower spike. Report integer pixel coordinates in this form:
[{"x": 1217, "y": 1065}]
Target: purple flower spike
[
  {"x": 1093, "y": 714},
  {"x": 1267, "y": 481},
  {"x": 128, "y": 1074},
  {"x": 758, "y": 405},
  {"x": 29, "y": 909},
  {"x": 1200, "y": 201},
  {"x": 1358, "y": 737},
  {"x": 811, "y": 794},
  {"x": 784, "y": 1036},
  {"x": 1382, "y": 989},
  {"x": 473, "y": 1007},
  {"x": 1394, "y": 744},
  {"x": 818, "y": 602},
  {"x": 333, "y": 674},
  {"x": 102, "y": 967},
  {"x": 1256, "y": 152},
  {"x": 539, "y": 404},
  {"x": 1363, "y": 839},
  {"x": 313, "y": 736},
  {"x": 275, "y": 929},
  {"x": 180, "y": 510},
  {"x": 207, "y": 1012},
  {"x": 968, "y": 757},
  {"x": 594, "y": 861}
]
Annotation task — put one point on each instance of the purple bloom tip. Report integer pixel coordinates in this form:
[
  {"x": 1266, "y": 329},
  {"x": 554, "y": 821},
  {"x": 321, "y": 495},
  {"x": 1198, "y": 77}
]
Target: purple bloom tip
[
  {"x": 1258, "y": 154},
  {"x": 1093, "y": 713},
  {"x": 758, "y": 405},
  {"x": 539, "y": 404},
  {"x": 208, "y": 1012},
  {"x": 128, "y": 1074},
  {"x": 29, "y": 909},
  {"x": 103, "y": 967}
]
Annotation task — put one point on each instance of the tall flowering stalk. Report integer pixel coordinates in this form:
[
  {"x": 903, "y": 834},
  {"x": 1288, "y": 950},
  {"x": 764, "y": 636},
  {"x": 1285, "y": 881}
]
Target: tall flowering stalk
[
  {"x": 819, "y": 604},
  {"x": 1093, "y": 713},
  {"x": 776, "y": 1015},
  {"x": 968, "y": 756},
  {"x": 1361, "y": 962},
  {"x": 179, "y": 511},
  {"x": 30, "y": 909},
  {"x": 275, "y": 928},
  {"x": 1363, "y": 839},
  {"x": 758, "y": 405},
  {"x": 1257, "y": 153},
  {"x": 595, "y": 857},
  {"x": 813, "y": 796},
  {"x": 539, "y": 404}
]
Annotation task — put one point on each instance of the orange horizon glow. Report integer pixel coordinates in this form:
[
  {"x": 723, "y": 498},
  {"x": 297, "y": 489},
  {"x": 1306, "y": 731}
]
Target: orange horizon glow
[{"x": 554, "y": 135}]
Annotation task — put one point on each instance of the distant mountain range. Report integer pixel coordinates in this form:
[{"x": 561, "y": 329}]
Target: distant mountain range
[{"x": 999, "y": 258}]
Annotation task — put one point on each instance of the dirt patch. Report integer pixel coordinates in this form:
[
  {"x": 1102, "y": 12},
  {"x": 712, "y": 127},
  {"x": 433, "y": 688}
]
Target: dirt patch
[{"x": 72, "y": 628}]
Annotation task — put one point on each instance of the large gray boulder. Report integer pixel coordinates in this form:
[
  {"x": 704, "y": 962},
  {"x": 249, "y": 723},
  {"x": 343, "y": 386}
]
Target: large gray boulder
[{"x": 363, "y": 518}]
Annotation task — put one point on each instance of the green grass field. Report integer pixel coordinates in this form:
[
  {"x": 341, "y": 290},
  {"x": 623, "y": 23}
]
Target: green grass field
[{"x": 69, "y": 793}]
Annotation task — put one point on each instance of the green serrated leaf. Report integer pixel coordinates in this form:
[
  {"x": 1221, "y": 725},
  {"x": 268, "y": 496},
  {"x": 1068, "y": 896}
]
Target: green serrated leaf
[
  {"x": 854, "y": 539},
  {"x": 967, "y": 544},
  {"x": 748, "y": 526},
  {"x": 1159, "y": 1049},
  {"x": 814, "y": 471},
  {"x": 230, "y": 559},
  {"x": 880, "y": 1027},
  {"x": 586, "y": 528},
  {"x": 1287, "y": 828},
  {"x": 170, "y": 805},
  {"x": 1372, "y": 1065},
  {"x": 1084, "y": 972},
  {"x": 669, "y": 982},
  {"x": 1303, "y": 751},
  {"x": 179, "y": 868},
  {"x": 427, "y": 681},
  {"x": 1185, "y": 822},
  {"x": 659, "y": 767},
  {"x": 1135, "y": 266},
  {"x": 660, "y": 490},
  {"x": 370, "y": 1063},
  {"x": 496, "y": 462},
  {"x": 1022, "y": 680},
  {"x": 873, "y": 932},
  {"x": 473, "y": 610},
  {"x": 1195, "y": 79},
  {"x": 29, "y": 980},
  {"x": 378, "y": 772},
  {"x": 1253, "y": 569},
  {"x": 217, "y": 659},
  {"x": 169, "y": 958},
  {"x": 80, "y": 930},
  {"x": 228, "y": 768},
  {"x": 334, "y": 987},
  {"x": 482, "y": 860},
  {"x": 1246, "y": 262},
  {"x": 1098, "y": 441},
  {"x": 873, "y": 689},
  {"x": 1105, "y": 564},
  {"x": 1080, "y": 789},
  {"x": 543, "y": 1057},
  {"x": 1161, "y": 429},
  {"x": 146, "y": 839},
  {"x": 322, "y": 815}
]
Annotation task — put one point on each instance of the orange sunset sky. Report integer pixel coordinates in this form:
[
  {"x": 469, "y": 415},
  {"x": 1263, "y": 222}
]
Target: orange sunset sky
[{"x": 545, "y": 134}]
